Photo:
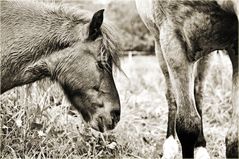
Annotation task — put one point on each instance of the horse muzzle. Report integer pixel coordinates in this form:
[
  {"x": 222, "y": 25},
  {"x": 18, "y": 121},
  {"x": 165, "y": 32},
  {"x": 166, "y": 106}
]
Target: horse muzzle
[{"x": 104, "y": 123}]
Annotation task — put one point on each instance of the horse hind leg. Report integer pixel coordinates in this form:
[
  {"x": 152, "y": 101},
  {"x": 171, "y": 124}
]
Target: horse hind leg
[
  {"x": 170, "y": 146},
  {"x": 232, "y": 135},
  {"x": 180, "y": 70},
  {"x": 199, "y": 82}
]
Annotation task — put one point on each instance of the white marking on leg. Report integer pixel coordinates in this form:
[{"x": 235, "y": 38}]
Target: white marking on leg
[
  {"x": 170, "y": 148},
  {"x": 201, "y": 153}
]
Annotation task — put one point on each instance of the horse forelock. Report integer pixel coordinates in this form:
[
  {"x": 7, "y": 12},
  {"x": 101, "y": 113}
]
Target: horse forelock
[{"x": 110, "y": 47}]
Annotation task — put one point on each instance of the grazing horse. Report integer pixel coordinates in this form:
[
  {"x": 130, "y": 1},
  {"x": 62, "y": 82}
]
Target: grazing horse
[
  {"x": 185, "y": 31},
  {"x": 69, "y": 46}
]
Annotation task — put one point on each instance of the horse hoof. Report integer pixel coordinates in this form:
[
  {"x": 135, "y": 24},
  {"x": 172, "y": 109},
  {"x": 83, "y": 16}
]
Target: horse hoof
[
  {"x": 201, "y": 153},
  {"x": 170, "y": 148}
]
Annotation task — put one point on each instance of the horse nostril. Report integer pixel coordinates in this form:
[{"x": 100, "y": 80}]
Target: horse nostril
[{"x": 115, "y": 115}]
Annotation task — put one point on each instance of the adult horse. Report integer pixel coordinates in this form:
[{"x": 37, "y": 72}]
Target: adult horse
[
  {"x": 67, "y": 45},
  {"x": 186, "y": 31}
]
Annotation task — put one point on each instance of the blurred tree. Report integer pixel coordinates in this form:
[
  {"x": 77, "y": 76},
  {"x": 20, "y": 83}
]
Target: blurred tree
[{"x": 134, "y": 36}]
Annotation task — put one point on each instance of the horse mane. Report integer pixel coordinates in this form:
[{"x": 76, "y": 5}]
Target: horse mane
[{"x": 73, "y": 16}]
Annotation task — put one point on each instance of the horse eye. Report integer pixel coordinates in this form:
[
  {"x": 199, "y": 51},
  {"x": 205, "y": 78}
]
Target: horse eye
[{"x": 99, "y": 65}]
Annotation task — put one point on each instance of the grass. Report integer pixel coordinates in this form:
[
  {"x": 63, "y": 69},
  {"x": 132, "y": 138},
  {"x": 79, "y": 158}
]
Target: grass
[{"x": 37, "y": 120}]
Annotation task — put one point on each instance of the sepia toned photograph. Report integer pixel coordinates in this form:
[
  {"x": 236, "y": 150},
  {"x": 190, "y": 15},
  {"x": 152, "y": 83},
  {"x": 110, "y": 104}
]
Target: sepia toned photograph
[{"x": 119, "y": 79}]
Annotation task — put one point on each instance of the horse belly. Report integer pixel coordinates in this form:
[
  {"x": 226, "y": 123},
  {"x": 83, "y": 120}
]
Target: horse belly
[{"x": 204, "y": 33}]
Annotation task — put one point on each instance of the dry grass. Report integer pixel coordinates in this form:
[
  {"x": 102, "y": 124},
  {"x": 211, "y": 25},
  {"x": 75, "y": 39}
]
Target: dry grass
[{"x": 37, "y": 124}]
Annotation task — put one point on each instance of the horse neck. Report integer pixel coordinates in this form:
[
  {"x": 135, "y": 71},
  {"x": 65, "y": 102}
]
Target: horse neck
[{"x": 28, "y": 37}]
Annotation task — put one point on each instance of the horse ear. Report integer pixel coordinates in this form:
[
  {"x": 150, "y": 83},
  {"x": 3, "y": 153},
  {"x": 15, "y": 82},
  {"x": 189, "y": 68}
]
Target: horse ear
[{"x": 95, "y": 24}]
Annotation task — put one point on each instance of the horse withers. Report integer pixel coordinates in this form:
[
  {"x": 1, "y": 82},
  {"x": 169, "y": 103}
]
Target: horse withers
[
  {"x": 185, "y": 31},
  {"x": 68, "y": 46}
]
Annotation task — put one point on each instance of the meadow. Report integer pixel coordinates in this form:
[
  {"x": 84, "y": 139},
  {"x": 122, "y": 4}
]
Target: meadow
[{"x": 38, "y": 121}]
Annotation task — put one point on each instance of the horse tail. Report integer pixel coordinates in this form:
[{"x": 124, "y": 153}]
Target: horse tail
[{"x": 160, "y": 12}]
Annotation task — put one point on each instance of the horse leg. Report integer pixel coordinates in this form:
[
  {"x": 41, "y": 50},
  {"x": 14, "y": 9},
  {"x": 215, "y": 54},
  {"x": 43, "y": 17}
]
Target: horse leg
[
  {"x": 232, "y": 135},
  {"x": 188, "y": 122},
  {"x": 200, "y": 76},
  {"x": 170, "y": 147},
  {"x": 181, "y": 75}
]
